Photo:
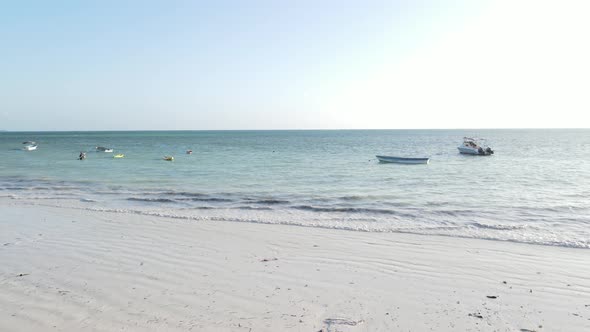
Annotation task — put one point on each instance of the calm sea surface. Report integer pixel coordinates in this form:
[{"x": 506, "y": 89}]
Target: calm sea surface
[{"x": 535, "y": 189}]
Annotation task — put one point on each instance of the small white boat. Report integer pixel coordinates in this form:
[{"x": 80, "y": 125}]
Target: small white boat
[
  {"x": 401, "y": 160},
  {"x": 29, "y": 146},
  {"x": 103, "y": 149},
  {"x": 474, "y": 147},
  {"x": 168, "y": 158}
]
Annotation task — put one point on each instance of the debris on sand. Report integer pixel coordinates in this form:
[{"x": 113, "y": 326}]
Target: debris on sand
[
  {"x": 476, "y": 315},
  {"x": 491, "y": 296},
  {"x": 22, "y": 274},
  {"x": 340, "y": 321},
  {"x": 269, "y": 259}
]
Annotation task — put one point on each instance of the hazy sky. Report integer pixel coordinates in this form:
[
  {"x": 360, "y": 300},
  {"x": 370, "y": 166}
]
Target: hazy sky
[{"x": 106, "y": 65}]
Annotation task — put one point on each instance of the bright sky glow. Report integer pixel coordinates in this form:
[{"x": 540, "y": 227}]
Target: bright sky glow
[{"x": 115, "y": 65}]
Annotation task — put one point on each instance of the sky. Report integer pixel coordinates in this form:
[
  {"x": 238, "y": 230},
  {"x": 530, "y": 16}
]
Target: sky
[{"x": 306, "y": 64}]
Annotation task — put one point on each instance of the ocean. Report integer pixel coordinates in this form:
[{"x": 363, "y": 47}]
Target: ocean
[{"x": 535, "y": 189}]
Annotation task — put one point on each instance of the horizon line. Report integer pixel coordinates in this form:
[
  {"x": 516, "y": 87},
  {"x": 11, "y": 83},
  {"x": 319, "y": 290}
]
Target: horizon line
[{"x": 293, "y": 129}]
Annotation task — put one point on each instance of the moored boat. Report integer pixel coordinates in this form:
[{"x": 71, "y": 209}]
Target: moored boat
[
  {"x": 120, "y": 155},
  {"x": 30, "y": 147},
  {"x": 168, "y": 158},
  {"x": 103, "y": 149},
  {"x": 402, "y": 160},
  {"x": 474, "y": 147}
]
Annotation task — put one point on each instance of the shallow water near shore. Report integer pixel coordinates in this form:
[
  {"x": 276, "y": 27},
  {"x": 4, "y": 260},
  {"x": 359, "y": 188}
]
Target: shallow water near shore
[{"x": 534, "y": 189}]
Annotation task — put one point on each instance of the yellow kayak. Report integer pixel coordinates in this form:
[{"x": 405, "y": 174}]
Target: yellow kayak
[
  {"x": 120, "y": 155},
  {"x": 169, "y": 158}
]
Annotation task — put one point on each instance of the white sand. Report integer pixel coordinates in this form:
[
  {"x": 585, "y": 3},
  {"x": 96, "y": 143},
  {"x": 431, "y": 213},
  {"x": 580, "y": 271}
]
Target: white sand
[{"x": 90, "y": 271}]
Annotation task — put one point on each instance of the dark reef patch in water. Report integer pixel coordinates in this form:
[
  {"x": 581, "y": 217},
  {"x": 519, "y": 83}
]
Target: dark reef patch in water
[
  {"x": 352, "y": 210},
  {"x": 151, "y": 200},
  {"x": 205, "y": 199},
  {"x": 268, "y": 201},
  {"x": 252, "y": 208}
]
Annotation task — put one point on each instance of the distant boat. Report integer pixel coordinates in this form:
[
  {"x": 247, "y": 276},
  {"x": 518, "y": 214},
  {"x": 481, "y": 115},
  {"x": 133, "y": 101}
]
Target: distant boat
[
  {"x": 189, "y": 151},
  {"x": 400, "y": 160},
  {"x": 120, "y": 155},
  {"x": 30, "y": 146},
  {"x": 474, "y": 147},
  {"x": 168, "y": 158},
  {"x": 103, "y": 149}
]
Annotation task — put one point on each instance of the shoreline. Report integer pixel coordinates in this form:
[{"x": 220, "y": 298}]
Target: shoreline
[
  {"x": 216, "y": 218},
  {"x": 76, "y": 270}
]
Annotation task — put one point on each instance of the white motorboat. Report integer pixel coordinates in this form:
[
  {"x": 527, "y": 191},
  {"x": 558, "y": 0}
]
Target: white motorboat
[
  {"x": 29, "y": 146},
  {"x": 103, "y": 149},
  {"x": 401, "y": 160},
  {"x": 474, "y": 147}
]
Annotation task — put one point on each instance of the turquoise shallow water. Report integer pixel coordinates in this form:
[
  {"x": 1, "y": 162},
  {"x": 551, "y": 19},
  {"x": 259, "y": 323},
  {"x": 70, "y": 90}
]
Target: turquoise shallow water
[{"x": 535, "y": 188}]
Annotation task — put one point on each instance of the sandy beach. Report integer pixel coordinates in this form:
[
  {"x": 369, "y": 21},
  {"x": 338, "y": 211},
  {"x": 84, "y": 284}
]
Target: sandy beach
[{"x": 75, "y": 270}]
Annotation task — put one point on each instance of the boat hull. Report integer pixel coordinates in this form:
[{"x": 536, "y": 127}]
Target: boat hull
[
  {"x": 473, "y": 151},
  {"x": 30, "y": 148},
  {"x": 400, "y": 160},
  {"x": 103, "y": 149}
]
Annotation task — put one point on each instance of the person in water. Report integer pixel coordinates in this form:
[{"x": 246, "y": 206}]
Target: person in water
[{"x": 82, "y": 156}]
